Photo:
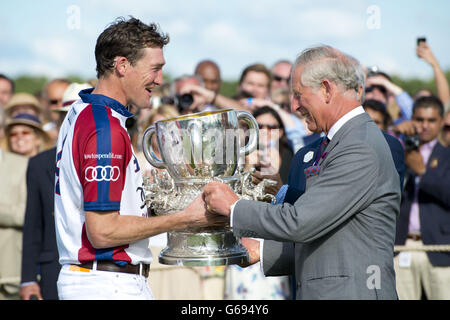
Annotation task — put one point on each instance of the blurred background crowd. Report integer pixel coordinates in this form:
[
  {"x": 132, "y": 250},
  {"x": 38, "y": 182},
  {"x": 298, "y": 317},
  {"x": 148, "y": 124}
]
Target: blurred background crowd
[{"x": 29, "y": 123}]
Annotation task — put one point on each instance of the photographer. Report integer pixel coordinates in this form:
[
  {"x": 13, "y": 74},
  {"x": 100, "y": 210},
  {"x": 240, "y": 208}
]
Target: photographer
[
  {"x": 379, "y": 86},
  {"x": 189, "y": 95},
  {"x": 425, "y": 209},
  {"x": 209, "y": 100},
  {"x": 182, "y": 99}
]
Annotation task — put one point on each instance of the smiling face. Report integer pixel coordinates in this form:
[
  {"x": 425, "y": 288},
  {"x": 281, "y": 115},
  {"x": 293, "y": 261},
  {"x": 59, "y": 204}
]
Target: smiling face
[
  {"x": 23, "y": 140},
  {"x": 308, "y": 103},
  {"x": 256, "y": 83},
  {"x": 139, "y": 79}
]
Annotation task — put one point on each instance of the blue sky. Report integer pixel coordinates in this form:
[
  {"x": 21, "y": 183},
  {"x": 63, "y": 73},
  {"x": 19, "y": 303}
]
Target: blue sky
[{"x": 57, "y": 38}]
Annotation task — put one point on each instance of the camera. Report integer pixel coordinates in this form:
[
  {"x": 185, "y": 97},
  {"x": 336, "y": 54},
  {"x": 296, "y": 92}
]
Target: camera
[
  {"x": 184, "y": 101},
  {"x": 411, "y": 142},
  {"x": 181, "y": 101},
  {"x": 422, "y": 39},
  {"x": 373, "y": 71}
]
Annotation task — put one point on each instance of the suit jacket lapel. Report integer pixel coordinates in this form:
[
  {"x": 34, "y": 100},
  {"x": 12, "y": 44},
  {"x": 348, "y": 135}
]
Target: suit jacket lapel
[{"x": 340, "y": 133}]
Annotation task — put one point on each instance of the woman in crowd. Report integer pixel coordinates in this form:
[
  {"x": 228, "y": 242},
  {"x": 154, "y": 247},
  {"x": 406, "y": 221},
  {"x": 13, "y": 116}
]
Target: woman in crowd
[
  {"x": 274, "y": 152},
  {"x": 25, "y": 135}
]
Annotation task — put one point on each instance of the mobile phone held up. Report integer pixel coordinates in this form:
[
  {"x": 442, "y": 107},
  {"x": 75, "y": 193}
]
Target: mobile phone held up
[{"x": 421, "y": 39}]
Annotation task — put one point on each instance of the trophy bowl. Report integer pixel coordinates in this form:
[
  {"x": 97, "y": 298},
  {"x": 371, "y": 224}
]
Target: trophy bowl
[
  {"x": 199, "y": 146},
  {"x": 196, "y": 149}
]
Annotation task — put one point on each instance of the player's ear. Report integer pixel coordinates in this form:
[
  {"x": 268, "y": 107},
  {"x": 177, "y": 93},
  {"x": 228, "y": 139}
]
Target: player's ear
[{"x": 121, "y": 64}]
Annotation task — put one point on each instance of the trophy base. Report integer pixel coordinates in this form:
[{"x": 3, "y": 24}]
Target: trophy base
[
  {"x": 206, "y": 248},
  {"x": 203, "y": 261}
]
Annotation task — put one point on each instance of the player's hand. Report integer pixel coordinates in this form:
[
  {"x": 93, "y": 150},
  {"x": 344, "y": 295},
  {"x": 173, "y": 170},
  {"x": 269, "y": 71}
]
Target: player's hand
[{"x": 200, "y": 217}]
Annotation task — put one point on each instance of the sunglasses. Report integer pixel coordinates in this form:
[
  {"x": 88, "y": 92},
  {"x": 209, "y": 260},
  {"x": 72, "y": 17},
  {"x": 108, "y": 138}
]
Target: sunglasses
[
  {"x": 279, "y": 79},
  {"x": 268, "y": 126},
  {"x": 381, "y": 88},
  {"x": 24, "y": 133},
  {"x": 54, "y": 101},
  {"x": 446, "y": 128}
]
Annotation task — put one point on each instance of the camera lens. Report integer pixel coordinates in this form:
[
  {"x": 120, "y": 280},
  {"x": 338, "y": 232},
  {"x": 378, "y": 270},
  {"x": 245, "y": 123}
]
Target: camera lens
[
  {"x": 412, "y": 142},
  {"x": 185, "y": 101}
]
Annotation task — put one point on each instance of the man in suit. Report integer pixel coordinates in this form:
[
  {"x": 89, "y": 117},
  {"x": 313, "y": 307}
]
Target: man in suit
[
  {"x": 295, "y": 187},
  {"x": 40, "y": 253},
  {"x": 338, "y": 236},
  {"x": 425, "y": 209}
]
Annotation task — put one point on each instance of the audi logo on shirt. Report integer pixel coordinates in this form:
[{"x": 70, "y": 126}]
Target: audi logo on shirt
[{"x": 102, "y": 173}]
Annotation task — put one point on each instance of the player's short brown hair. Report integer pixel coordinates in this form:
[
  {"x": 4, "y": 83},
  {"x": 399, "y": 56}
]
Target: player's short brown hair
[{"x": 126, "y": 38}]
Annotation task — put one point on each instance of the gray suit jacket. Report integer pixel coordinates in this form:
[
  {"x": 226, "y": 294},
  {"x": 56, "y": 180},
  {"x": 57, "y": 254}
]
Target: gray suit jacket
[{"x": 338, "y": 237}]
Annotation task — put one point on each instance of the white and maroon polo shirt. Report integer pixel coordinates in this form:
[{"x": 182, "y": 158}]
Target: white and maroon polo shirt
[{"x": 96, "y": 170}]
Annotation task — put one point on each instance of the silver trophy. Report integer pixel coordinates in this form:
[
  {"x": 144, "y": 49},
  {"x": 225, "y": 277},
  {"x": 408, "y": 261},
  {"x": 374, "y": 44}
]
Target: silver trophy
[{"x": 196, "y": 149}]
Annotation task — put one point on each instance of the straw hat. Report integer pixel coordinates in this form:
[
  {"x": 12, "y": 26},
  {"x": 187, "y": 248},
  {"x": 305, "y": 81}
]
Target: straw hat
[
  {"x": 23, "y": 99},
  {"x": 28, "y": 120}
]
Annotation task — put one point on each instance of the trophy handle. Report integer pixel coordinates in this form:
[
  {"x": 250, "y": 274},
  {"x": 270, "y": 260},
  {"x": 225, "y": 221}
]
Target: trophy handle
[
  {"x": 147, "y": 147},
  {"x": 196, "y": 143},
  {"x": 253, "y": 129}
]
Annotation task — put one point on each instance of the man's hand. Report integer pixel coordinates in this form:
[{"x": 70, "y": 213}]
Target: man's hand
[
  {"x": 407, "y": 128},
  {"x": 251, "y": 104},
  {"x": 382, "y": 81},
  {"x": 219, "y": 197},
  {"x": 253, "y": 247},
  {"x": 201, "y": 217},
  {"x": 29, "y": 290},
  {"x": 424, "y": 52},
  {"x": 201, "y": 95},
  {"x": 414, "y": 161}
]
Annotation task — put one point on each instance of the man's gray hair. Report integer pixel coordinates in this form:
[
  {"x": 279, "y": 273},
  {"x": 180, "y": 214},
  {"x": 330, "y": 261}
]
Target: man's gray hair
[{"x": 325, "y": 62}]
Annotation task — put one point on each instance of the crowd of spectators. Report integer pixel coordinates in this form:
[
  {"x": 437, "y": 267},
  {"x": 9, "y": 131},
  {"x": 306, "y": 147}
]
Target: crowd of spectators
[{"x": 421, "y": 121}]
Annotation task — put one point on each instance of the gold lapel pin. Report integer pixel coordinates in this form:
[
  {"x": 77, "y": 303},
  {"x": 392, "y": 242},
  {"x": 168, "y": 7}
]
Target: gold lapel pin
[{"x": 434, "y": 163}]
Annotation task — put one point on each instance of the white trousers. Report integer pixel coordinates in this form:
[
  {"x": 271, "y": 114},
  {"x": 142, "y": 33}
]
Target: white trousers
[{"x": 83, "y": 284}]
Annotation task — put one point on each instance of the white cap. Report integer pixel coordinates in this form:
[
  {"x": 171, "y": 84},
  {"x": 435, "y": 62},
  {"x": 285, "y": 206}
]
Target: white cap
[{"x": 71, "y": 95}]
